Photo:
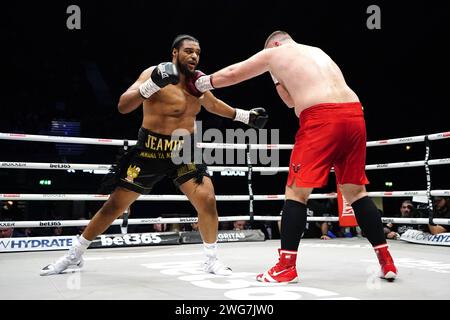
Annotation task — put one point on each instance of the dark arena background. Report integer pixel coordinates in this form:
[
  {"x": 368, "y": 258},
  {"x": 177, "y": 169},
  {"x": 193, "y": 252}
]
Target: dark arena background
[{"x": 63, "y": 81}]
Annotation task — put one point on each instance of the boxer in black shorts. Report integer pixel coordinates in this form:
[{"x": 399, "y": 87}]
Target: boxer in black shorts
[
  {"x": 152, "y": 159},
  {"x": 170, "y": 102}
]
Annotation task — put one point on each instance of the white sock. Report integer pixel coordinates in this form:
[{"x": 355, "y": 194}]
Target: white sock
[
  {"x": 82, "y": 244},
  {"x": 210, "y": 250}
]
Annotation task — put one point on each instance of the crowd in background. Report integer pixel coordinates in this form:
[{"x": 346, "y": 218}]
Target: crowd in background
[{"x": 11, "y": 211}]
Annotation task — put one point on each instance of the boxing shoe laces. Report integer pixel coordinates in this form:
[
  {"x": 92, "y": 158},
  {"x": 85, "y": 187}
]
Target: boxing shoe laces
[
  {"x": 388, "y": 269},
  {"x": 216, "y": 267},
  {"x": 284, "y": 271},
  {"x": 72, "y": 258}
]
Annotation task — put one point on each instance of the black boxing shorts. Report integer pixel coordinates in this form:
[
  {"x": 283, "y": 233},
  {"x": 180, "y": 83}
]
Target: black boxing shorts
[{"x": 151, "y": 160}]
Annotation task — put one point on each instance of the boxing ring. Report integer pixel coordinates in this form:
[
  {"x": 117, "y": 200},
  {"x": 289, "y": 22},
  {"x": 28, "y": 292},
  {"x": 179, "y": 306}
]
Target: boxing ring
[{"x": 332, "y": 270}]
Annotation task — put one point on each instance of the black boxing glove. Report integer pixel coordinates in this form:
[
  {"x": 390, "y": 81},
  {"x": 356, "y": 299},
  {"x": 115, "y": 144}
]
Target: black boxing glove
[
  {"x": 162, "y": 75},
  {"x": 256, "y": 118},
  {"x": 190, "y": 84}
]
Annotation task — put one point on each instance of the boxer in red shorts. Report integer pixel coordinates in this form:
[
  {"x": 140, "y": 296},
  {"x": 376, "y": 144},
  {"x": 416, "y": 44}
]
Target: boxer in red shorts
[{"x": 332, "y": 134}]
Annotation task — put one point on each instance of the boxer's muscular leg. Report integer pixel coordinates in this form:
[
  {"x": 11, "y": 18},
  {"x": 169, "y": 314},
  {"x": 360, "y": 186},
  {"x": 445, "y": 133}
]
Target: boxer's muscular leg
[
  {"x": 369, "y": 220},
  {"x": 293, "y": 219},
  {"x": 116, "y": 205},
  {"x": 203, "y": 199},
  {"x": 353, "y": 192},
  {"x": 366, "y": 213},
  {"x": 293, "y": 222}
]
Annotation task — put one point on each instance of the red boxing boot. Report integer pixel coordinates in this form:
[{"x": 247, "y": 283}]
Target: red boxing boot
[
  {"x": 388, "y": 269},
  {"x": 284, "y": 271}
]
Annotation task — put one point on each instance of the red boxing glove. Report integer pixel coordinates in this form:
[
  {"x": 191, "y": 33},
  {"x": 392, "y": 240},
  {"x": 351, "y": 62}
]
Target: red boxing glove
[{"x": 190, "y": 84}]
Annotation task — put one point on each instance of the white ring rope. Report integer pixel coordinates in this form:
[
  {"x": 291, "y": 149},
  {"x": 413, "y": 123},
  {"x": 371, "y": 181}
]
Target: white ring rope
[
  {"x": 435, "y": 136},
  {"x": 61, "y": 139},
  {"x": 94, "y": 197},
  {"x": 82, "y": 166},
  {"x": 76, "y": 223},
  {"x": 170, "y": 197},
  {"x": 115, "y": 142},
  {"x": 79, "y": 223}
]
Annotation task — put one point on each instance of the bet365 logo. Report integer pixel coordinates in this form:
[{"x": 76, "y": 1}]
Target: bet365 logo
[{"x": 130, "y": 239}]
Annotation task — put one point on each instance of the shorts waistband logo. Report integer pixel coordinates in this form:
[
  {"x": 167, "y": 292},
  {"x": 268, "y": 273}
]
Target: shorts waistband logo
[{"x": 162, "y": 144}]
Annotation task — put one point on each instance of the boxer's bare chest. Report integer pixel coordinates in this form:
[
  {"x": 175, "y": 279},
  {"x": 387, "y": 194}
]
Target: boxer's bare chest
[{"x": 172, "y": 101}]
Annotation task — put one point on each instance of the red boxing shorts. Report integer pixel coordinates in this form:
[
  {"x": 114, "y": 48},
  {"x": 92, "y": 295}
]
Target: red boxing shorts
[{"x": 330, "y": 134}]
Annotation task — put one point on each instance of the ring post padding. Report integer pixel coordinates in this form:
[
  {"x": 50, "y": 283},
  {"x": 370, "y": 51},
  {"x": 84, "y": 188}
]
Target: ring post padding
[
  {"x": 428, "y": 177},
  {"x": 249, "y": 181},
  {"x": 124, "y": 226}
]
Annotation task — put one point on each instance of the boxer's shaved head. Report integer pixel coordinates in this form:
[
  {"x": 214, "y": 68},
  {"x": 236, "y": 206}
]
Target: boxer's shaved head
[{"x": 278, "y": 35}]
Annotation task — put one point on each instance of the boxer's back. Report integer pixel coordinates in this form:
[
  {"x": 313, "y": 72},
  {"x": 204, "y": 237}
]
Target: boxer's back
[{"x": 310, "y": 76}]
